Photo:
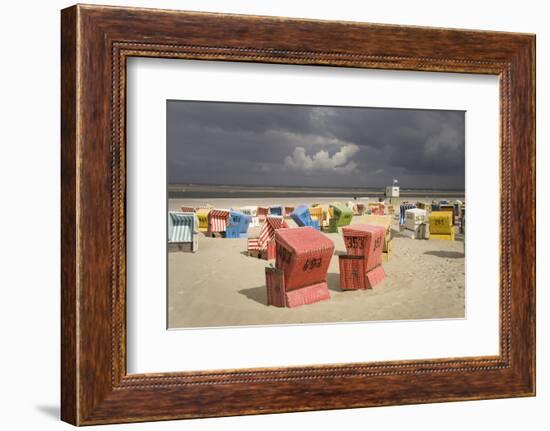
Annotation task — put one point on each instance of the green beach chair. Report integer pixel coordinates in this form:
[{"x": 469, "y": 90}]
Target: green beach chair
[{"x": 342, "y": 214}]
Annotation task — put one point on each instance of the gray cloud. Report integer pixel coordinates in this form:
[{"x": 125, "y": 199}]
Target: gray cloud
[{"x": 266, "y": 144}]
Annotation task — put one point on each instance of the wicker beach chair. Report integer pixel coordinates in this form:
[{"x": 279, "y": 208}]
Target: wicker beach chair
[
  {"x": 238, "y": 225},
  {"x": 202, "y": 215},
  {"x": 218, "y": 219},
  {"x": 302, "y": 260},
  {"x": 402, "y": 208},
  {"x": 441, "y": 225},
  {"x": 251, "y": 211},
  {"x": 316, "y": 213},
  {"x": 183, "y": 228},
  {"x": 414, "y": 219},
  {"x": 365, "y": 241},
  {"x": 264, "y": 245},
  {"x": 302, "y": 217},
  {"x": 384, "y": 221},
  {"x": 342, "y": 214}
]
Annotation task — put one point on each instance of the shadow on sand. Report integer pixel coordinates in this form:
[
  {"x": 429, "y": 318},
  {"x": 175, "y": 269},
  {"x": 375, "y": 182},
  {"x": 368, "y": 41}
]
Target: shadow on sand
[
  {"x": 257, "y": 294},
  {"x": 333, "y": 281}
]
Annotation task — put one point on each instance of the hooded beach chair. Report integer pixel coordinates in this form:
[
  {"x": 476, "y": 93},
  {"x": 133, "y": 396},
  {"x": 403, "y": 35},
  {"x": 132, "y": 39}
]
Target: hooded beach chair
[
  {"x": 252, "y": 212},
  {"x": 404, "y": 207},
  {"x": 183, "y": 228},
  {"x": 415, "y": 220},
  {"x": 302, "y": 217},
  {"x": 218, "y": 219},
  {"x": 441, "y": 225},
  {"x": 385, "y": 222},
  {"x": 342, "y": 214},
  {"x": 316, "y": 213},
  {"x": 202, "y": 215},
  {"x": 361, "y": 267},
  {"x": 264, "y": 246},
  {"x": 377, "y": 208},
  {"x": 238, "y": 225},
  {"x": 301, "y": 264},
  {"x": 359, "y": 208}
]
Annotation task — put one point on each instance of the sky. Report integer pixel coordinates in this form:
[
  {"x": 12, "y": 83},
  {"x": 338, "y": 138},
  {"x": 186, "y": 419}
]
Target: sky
[{"x": 300, "y": 145}]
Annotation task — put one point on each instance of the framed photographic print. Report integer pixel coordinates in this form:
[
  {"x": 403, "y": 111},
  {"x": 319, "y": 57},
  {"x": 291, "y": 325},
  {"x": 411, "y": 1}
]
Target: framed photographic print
[{"x": 266, "y": 215}]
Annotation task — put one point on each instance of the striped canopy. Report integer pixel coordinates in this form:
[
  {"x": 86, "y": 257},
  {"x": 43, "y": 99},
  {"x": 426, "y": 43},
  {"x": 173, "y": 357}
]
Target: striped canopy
[
  {"x": 267, "y": 233},
  {"x": 218, "y": 219},
  {"x": 181, "y": 226},
  {"x": 187, "y": 209}
]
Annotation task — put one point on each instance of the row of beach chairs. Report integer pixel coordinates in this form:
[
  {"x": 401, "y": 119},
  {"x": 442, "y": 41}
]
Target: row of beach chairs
[
  {"x": 184, "y": 226},
  {"x": 436, "y": 221}
]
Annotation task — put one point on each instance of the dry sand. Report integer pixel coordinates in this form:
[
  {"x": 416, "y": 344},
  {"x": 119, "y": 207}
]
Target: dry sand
[{"x": 221, "y": 286}]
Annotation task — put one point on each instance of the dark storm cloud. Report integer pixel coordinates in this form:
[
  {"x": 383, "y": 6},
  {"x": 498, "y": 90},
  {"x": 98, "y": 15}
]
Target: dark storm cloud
[{"x": 262, "y": 144}]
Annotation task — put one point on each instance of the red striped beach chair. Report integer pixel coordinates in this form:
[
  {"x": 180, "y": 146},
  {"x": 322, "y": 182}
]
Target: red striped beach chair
[
  {"x": 263, "y": 247},
  {"x": 218, "y": 219}
]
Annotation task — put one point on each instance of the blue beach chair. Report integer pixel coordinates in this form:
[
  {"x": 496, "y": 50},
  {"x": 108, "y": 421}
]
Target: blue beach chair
[
  {"x": 238, "y": 225},
  {"x": 245, "y": 223},
  {"x": 302, "y": 217}
]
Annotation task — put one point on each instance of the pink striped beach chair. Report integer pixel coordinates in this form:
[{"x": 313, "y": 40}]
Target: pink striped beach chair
[
  {"x": 263, "y": 247},
  {"x": 218, "y": 219}
]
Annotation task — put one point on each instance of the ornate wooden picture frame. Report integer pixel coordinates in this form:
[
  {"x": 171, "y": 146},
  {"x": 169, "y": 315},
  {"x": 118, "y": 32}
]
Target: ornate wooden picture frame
[{"x": 96, "y": 42}]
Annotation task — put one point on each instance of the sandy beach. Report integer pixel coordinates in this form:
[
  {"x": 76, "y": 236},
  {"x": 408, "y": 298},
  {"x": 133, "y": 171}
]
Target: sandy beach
[{"x": 221, "y": 286}]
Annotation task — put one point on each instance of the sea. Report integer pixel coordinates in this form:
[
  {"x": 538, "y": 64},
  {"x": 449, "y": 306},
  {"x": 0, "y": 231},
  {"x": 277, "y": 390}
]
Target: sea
[{"x": 220, "y": 191}]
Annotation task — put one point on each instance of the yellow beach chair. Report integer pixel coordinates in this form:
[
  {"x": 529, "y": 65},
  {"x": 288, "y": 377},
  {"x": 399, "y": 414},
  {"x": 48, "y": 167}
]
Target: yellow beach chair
[
  {"x": 385, "y": 222},
  {"x": 441, "y": 225}
]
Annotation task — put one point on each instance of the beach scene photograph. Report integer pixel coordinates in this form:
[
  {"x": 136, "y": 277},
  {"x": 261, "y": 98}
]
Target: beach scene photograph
[{"x": 299, "y": 214}]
